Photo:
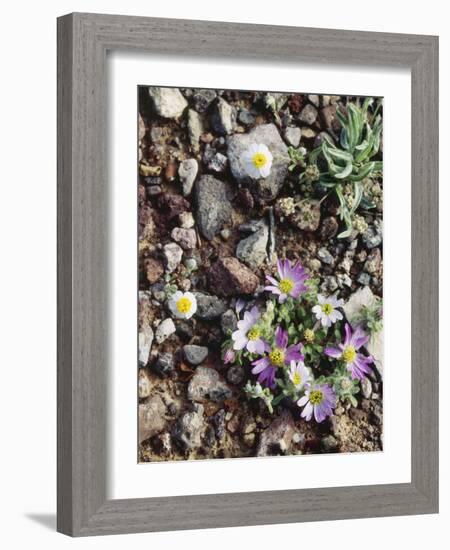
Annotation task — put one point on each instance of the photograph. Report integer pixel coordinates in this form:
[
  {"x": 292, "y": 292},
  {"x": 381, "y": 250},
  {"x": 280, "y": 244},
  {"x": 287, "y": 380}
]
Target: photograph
[{"x": 260, "y": 273}]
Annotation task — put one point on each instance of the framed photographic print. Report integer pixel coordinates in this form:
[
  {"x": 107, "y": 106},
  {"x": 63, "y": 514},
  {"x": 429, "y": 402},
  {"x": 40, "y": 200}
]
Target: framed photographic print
[{"x": 247, "y": 274}]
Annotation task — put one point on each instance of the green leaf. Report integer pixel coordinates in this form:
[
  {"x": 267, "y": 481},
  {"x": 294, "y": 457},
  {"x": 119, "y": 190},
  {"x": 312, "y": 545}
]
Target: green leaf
[
  {"x": 276, "y": 400},
  {"x": 338, "y": 154},
  {"x": 358, "y": 196},
  {"x": 342, "y": 118},
  {"x": 345, "y": 172},
  {"x": 363, "y": 172}
]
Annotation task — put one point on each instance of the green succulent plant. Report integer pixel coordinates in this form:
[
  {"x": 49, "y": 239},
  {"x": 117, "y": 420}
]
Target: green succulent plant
[{"x": 351, "y": 161}]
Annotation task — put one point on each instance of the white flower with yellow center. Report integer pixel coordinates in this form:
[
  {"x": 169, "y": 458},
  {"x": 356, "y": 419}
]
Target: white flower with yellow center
[
  {"x": 326, "y": 310},
  {"x": 299, "y": 375},
  {"x": 183, "y": 304},
  {"x": 257, "y": 161}
]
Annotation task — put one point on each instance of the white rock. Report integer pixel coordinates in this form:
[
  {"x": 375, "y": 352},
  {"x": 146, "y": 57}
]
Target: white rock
[
  {"x": 292, "y": 135},
  {"x": 187, "y": 173},
  {"x": 145, "y": 343},
  {"x": 167, "y": 102},
  {"x": 362, "y": 297},
  {"x": 165, "y": 329},
  {"x": 186, "y": 220},
  {"x": 172, "y": 256},
  {"x": 366, "y": 387},
  {"x": 145, "y": 385},
  {"x": 195, "y": 128}
]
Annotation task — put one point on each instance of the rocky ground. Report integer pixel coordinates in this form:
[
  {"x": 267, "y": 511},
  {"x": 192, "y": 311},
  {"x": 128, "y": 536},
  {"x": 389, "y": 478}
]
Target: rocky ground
[{"x": 204, "y": 226}]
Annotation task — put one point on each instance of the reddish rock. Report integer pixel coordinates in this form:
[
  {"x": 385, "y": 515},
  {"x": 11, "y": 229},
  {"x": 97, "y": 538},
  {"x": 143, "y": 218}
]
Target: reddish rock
[
  {"x": 295, "y": 103},
  {"x": 146, "y": 222},
  {"x": 228, "y": 277},
  {"x": 172, "y": 205},
  {"x": 141, "y": 194},
  {"x": 245, "y": 199},
  {"x": 329, "y": 118},
  {"x": 170, "y": 171},
  {"x": 186, "y": 238},
  {"x": 154, "y": 269}
]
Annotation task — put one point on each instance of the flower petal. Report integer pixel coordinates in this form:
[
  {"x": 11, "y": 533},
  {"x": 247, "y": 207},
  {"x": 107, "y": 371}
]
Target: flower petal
[
  {"x": 333, "y": 352},
  {"x": 359, "y": 338},
  {"x": 260, "y": 365},
  {"x": 348, "y": 334},
  {"x": 281, "y": 337},
  {"x": 307, "y": 411}
]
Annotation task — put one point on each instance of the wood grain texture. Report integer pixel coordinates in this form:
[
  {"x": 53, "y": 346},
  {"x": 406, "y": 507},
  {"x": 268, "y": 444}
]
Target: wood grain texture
[{"x": 83, "y": 41}]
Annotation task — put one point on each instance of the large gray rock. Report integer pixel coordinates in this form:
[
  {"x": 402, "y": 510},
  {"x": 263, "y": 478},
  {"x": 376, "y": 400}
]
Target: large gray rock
[
  {"x": 151, "y": 417},
  {"x": 189, "y": 429},
  {"x": 206, "y": 385},
  {"x": 208, "y": 306},
  {"x": 253, "y": 249},
  {"x": 267, "y": 134},
  {"x": 195, "y": 354},
  {"x": 202, "y": 100},
  {"x": 223, "y": 117},
  {"x": 167, "y": 102},
  {"x": 213, "y": 206}
]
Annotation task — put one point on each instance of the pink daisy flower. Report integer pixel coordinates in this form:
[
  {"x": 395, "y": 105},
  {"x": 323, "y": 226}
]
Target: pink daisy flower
[{"x": 291, "y": 281}]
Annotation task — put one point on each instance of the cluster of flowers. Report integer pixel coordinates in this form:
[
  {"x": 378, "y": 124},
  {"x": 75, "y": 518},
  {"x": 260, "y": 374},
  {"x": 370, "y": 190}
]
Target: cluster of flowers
[{"x": 278, "y": 357}]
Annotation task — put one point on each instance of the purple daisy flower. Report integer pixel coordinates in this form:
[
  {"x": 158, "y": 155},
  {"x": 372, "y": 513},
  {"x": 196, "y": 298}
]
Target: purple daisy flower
[
  {"x": 291, "y": 282},
  {"x": 357, "y": 363},
  {"x": 279, "y": 355},
  {"x": 319, "y": 400},
  {"x": 248, "y": 335}
]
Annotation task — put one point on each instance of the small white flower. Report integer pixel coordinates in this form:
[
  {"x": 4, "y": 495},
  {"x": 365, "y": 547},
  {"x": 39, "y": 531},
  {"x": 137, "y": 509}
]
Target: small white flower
[
  {"x": 183, "y": 304},
  {"x": 326, "y": 311},
  {"x": 299, "y": 375},
  {"x": 257, "y": 161}
]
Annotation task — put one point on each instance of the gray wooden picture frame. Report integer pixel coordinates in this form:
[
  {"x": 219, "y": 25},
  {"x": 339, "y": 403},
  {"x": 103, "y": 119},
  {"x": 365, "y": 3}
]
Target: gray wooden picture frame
[{"x": 83, "y": 42}]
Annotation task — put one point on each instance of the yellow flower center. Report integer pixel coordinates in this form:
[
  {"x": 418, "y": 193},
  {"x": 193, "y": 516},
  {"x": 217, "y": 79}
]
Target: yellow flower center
[
  {"x": 254, "y": 333},
  {"x": 309, "y": 335},
  {"x": 327, "y": 309},
  {"x": 259, "y": 160},
  {"x": 349, "y": 354},
  {"x": 316, "y": 397},
  {"x": 296, "y": 379},
  {"x": 184, "y": 305},
  {"x": 286, "y": 285},
  {"x": 276, "y": 357}
]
